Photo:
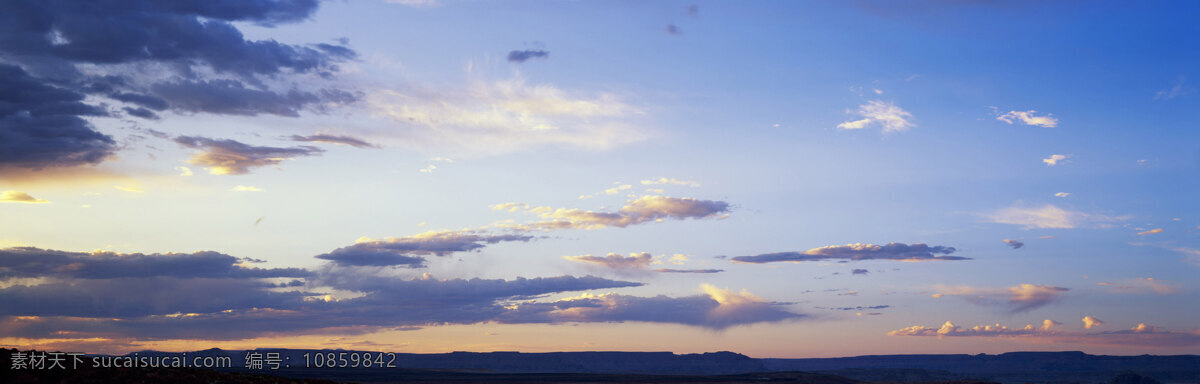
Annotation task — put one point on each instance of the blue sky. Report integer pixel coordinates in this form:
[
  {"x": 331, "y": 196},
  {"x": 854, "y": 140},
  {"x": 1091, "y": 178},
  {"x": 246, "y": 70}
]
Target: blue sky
[{"x": 762, "y": 177}]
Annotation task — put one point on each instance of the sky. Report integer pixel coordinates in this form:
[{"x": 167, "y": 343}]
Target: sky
[{"x": 779, "y": 179}]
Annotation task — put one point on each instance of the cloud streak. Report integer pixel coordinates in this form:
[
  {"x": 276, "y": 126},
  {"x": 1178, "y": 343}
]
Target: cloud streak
[
  {"x": 859, "y": 252},
  {"x": 637, "y": 211},
  {"x": 230, "y": 157},
  {"x": 1015, "y": 299}
]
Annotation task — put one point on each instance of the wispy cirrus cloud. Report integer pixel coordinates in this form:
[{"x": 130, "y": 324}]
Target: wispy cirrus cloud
[
  {"x": 1047, "y": 216},
  {"x": 1142, "y": 285},
  {"x": 636, "y": 211},
  {"x": 333, "y": 139},
  {"x": 636, "y": 263},
  {"x": 885, "y": 114},
  {"x": 507, "y": 116},
  {"x": 857, "y": 252},
  {"x": 1015, "y": 299},
  {"x": 230, "y": 157}
]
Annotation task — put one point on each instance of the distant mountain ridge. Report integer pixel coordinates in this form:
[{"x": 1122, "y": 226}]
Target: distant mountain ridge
[{"x": 1013, "y": 367}]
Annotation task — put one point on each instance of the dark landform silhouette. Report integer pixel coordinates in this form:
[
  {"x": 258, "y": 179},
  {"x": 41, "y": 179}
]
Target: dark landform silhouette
[{"x": 647, "y": 367}]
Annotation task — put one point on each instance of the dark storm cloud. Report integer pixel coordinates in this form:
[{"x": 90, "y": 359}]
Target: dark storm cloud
[
  {"x": 525, "y": 55},
  {"x": 193, "y": 42},
  {"x": 857, "y": 252},
  {"x": 141, "y": 112},
  {"x": 206, "y": 295},
  {"x": 37, "y": 262},
  {"x": 40, "y": 124},
  {"x": 183, "y": 33},
  {"x": 334, "y": 139},
  {"x": 230, "y": 157}
]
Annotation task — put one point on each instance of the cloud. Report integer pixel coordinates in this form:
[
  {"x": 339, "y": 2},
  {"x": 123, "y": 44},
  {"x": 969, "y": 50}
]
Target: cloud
[
  {"x": 229, "y": 157},
  {"x": 664, "y": 180},
  {"x": 41, "y": 125},
  {"x": 406, "y": 251},
  {"x": 858, "y": 252},
  {"x": 209, "y": 295},
  {"x": 1019, "y": 298},
  {"x": 1151, "y": 232},
  {"x": 859, "y": 308},
  {"x": 1175, "y": 91},
  {"x": 19, "y": 197},
  {"x": 1015, "y": 244},
  {"x": 184, "y": 171},
  {"x": 187, "y": 56},
  {"x": 1028, "y": 118},
  {"x": 636, "y": 211},
  {"x": 28, "y": 262},
  {"x": 507, "y": 116},
  {"x": 334, "y": 139},
  {"x": 416, "y": 3},
  {"x": 233, "y": 97},
  {"x": 1045, "y": 216},
  {"x": 1054, "y": 159},
  {"x": 1089, "y": 322},
  {"x": 671, "y": 270},
  {"x": 526, "y": 55},
  {"x": 1062, "y": 194},
  {"x": 1142, "y": 285},
  {"x": 716, "y": 309},
  {"x": 611, "y": 191},
  {"x": 1140, "y": 335},
  {"x": 859, "y": 272},
  {"x": 672, "y": 29},
  {"x": 243, "y": 188},
  {"x": 616, "y": 261},
  {"x": 886, "y": 114}
]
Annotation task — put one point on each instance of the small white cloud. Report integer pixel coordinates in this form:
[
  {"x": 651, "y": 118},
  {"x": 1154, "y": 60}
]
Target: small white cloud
[
  {"x": 1154, "y": 231},
  {"x": 1028, "y": 118},
  {"x": 129, "y": 189},
  {"x": 886, "y": 114},
  {"x": 1090, "y": 321},
  {"x": 1062, "y": 194},
  {"x": 184, "y": 171},
  {"x": 244, "y": 188},
  {"x": 1054, "y": 159},
  {"x": 428, "y": 169}
]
